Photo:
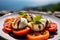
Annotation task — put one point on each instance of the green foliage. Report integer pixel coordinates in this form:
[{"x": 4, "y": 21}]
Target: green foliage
[
  {"x": 44, "y": 9},
  {"x": 50, "y": 7},
  {"x": 55, "y": 7}
]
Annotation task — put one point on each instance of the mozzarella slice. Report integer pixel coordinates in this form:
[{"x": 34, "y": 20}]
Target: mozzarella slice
[
  {"x": 28, "y": 18},
  {"x": 23, "y": 23},
  {"x": 30, "y": 25},
  {"x": 41, "y": 27},
  {"x": 49, "y": 21},
  {"x": 35, "y": 27},
  {"x": 43, "y": 21},
  {"x": 20, "y": 23},
  {"x": 24, "y": 20},
  {"x": 14, "y": 24}
]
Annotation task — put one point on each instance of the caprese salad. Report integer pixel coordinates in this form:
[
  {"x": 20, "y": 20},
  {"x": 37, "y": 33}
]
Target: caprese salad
[{"x": 35, "y": 27}]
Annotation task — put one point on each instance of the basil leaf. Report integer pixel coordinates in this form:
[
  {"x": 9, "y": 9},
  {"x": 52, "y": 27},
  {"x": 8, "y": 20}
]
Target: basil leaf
[
  {"x": 21, "y": 13},
  {"x": 37, "y": 22},
  {"x": 37, "y": 18}
]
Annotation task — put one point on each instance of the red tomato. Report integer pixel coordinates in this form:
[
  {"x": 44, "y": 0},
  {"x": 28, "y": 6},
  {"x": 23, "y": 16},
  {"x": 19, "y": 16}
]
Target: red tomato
[
  {"x": 7, "y": 30},
  {"x": 7, "y": 25},
  {"x": 53, "y": 27},
  {"x": 45, "y": 36},
  {"x": 9, "y": 20},
  {"x": 21, "y": 32}
]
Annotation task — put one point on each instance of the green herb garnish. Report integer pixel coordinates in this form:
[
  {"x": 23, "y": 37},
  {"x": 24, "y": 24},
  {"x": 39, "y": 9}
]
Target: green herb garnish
[
  {"x": 38, "y": 22},
  {"x": 22, "y": 13},
  {"x": 37, "y": 18}
]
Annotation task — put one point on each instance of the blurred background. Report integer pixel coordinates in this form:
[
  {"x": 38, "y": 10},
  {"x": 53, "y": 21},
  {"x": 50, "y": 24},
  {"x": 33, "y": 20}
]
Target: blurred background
[{"x": 51, "y": 7}]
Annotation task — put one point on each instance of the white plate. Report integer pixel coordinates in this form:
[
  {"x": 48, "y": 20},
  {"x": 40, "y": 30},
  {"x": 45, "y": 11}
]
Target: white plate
[{"x": 6, "y": 36}]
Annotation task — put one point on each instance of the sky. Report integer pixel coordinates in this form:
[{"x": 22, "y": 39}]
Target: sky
[{"x": 19, "y": 4}]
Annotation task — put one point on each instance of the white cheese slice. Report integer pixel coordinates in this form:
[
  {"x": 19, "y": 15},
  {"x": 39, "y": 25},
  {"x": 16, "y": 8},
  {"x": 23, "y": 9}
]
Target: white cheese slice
[
  {"x": 23, "y": 22},
  {"x": 35, "y": 27},
  {"x": 43, "y": 21}
]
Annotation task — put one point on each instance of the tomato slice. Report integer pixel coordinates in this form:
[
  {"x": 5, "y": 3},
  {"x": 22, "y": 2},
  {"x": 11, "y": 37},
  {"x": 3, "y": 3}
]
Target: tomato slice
[
  {"x": 9, "y": 20},
  {"x": 7, "y": 30},
  {"x": 21, "y": 32},
  {"x": 39, "y": 37},
  {"x": 7, "y": 25},
  {"x": 53, "y": 27}
]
